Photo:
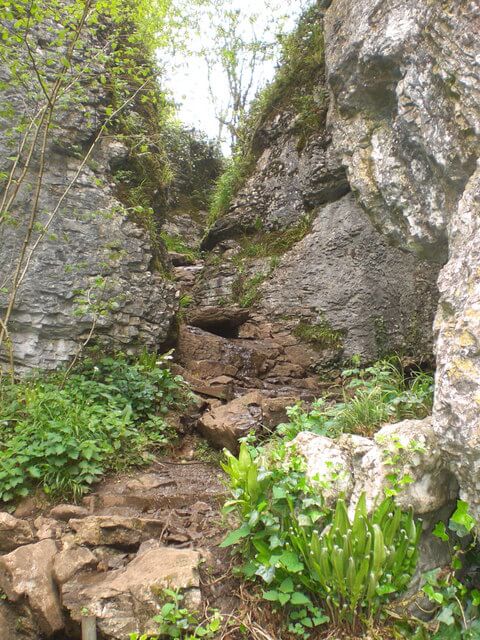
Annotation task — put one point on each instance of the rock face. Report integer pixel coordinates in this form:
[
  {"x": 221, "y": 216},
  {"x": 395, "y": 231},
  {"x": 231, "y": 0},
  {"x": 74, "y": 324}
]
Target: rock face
[
  {"x": 296, "y": 247},
  {"x": 405, "y": 111},
  {"x": 405, "y": 86},
  {"x": 288, "y": 181},
  {"x": 344, "y": 276},
  {"x": 93, "y": 270}
]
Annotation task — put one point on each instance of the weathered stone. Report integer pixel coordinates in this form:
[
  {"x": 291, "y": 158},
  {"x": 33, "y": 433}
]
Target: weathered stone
[
  {"x": 17, "y": 623},
  {"x": 405, "y": 86},
  {"x": 457, "y": 383},
  {"x": 14, "y": 532},
  {"x": 225, "y": 424},
  {"x": 92, "y": 248},
  {"x": 27, "y": 573},
  {"x": 288, "y": 180},
  {"x": 223, "y": 321},
  {"x": 362, "y": 295},
  {"x": 353, "y": 465},
  {"x": 126, "y": 600},
  {"x": 327, "y": 465},
  {"x": 48, "y": 528},
  {"x": 405, "y": 108},
  {"x": 195, "y": 345},
  {"x": 70, "y": 561},
  {"x": 119, "y": 531},
  {"x": 67, "y": 511}
]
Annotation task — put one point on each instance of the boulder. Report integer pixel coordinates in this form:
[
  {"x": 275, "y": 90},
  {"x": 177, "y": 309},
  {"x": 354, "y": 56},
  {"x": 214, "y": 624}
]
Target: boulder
[
  {"x": 224, "y": 425},
  {"x": 404, "y": 456},
  {"x": 28, "y": 573},
  {"x": 118, "y": 531},
  {"x": 126, "y": 600},
  {"x": 70, "y": 561},
  {"x": 14, "y": 532},
  {"x": 328, "y": 464},
  {"x": 67, "y": 511},
  {"x": 48, "y": 528}
]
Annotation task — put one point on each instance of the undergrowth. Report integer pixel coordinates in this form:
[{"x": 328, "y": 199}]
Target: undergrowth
[
  {"x": 373, "y": 396},
  {"x": 273, "y": 243},
  {"x": 317, "y": 563},
  {"x": 62, "y": 433}
]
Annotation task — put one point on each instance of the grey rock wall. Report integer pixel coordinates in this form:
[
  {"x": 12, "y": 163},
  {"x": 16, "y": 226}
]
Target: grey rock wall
[
  {"x": 405, "y": 115},
  {"x": 94, "y": 270},
  {"x": 345, "y": 275}
]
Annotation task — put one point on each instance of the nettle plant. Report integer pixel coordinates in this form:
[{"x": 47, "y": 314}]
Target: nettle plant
[
  {"x": 317, "y": 562},
  {"x": 63, "y": 433}
]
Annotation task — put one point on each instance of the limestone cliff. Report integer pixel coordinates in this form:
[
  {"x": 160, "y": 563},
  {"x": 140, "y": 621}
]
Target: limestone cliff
[
  {"x": 297, "y": 248},
  {"x": 405, "y": 84}
]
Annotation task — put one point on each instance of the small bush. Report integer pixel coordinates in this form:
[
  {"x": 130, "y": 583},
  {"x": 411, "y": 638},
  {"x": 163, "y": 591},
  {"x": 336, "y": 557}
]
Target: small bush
[
  {"x": 228, "y": 185},
  {"x": 320, "y": 335},
  {"x": 63, "y": 434},
  {"x": 176, "y": 621}
]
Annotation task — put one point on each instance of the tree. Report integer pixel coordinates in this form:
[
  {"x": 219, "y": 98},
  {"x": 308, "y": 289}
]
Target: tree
[{"x": 239, "y": 45}]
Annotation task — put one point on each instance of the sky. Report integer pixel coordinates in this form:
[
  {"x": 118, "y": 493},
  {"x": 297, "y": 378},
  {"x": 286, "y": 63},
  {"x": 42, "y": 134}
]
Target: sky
[{"x": 187, "y": 77}]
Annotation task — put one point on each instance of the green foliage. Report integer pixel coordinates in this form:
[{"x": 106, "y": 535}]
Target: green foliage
[
  {"x": 228, "y": 184},
  {"x": 452, "y": 590},
  {"x": 359, "y": 563},
  {"x": 316, "y": 563},
  {"x": 274, "y": 243},
  {"x": 458, "y": 612},
  {"x": 373, "y": 396},
  {"x": 246, "y": 291},
  {"x": 296, "y": 88},
  {"x": 175, "y": 621},
  {"x": 63, "y": 433},
  {"x": 300, "y": 77},
  {"x": 321, "y": 335},
  {"x": 176, "y": 243}
]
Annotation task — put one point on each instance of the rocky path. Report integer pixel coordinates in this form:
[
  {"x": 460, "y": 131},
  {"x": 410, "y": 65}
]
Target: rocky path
[{"x": 137, "y": 533}]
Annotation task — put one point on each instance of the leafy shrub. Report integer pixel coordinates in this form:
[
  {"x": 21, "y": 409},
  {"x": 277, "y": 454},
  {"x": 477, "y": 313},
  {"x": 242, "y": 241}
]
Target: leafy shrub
[
  {"x": 371, "y": 397},
  {"x": 64, "y": 433},
  {"x": 316, "y": 562},
  {"x": 228, "y": 184}
]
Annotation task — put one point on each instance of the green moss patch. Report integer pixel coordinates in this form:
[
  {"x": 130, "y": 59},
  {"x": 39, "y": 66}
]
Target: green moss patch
[{"x": 320, "y": 335}]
